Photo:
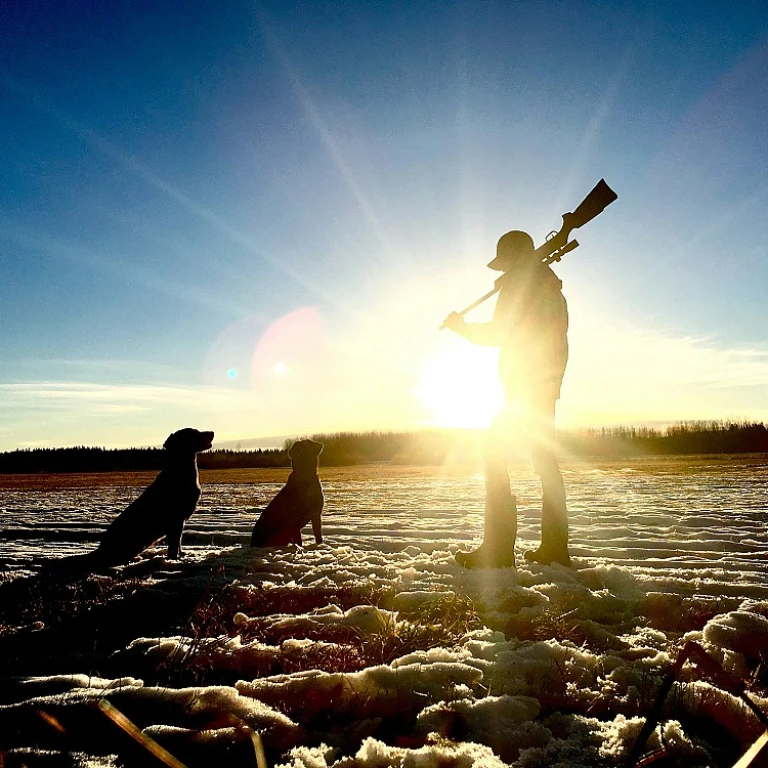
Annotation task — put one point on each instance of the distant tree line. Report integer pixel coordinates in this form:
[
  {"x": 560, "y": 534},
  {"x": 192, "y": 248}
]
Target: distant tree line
[
  {"x": 410, "y": 448},
  {"x": 83, "y": 459},
  {"x": 342, "y": 449},
  {"x": 682, "y": 438},
  {"x": 459, "y": 446}
]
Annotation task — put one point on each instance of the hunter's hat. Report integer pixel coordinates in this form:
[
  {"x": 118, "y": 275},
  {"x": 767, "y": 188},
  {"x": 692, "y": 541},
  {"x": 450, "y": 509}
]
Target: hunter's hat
[{"x": 510, "y": 247}]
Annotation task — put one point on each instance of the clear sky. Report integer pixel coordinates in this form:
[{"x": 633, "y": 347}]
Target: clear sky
[{"x": 253, "y": 217}]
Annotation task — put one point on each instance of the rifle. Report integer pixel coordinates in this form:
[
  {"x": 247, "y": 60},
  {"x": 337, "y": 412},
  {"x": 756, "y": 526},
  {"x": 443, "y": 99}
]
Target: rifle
[{"x": 556, "y": 244}]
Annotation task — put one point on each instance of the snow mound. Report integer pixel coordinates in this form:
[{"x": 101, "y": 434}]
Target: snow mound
[
  {"x": 744, "y": 632},
  {"x": 382, "y": 691}
]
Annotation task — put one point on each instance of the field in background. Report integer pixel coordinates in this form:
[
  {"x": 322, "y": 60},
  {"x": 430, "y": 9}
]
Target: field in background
[{"x": 375, "y": 471}]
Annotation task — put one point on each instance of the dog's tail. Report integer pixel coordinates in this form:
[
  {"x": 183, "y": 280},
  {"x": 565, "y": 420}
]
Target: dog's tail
[{"x": 74, "y": 565}]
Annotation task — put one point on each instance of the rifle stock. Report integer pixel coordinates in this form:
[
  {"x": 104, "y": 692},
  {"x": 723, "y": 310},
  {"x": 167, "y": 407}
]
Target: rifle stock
[{"x": 592, "y": 205}]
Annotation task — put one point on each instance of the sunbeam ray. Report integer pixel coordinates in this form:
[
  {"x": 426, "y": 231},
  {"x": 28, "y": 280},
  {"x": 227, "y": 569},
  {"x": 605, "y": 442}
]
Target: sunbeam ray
[
  {"x": 312, "y": 111},
  {"x": 138, "y": 169},
  {"x": 120, "y": 268}
]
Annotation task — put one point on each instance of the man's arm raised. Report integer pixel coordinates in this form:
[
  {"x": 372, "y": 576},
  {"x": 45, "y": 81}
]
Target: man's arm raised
[{"x": 483, "y": 334}]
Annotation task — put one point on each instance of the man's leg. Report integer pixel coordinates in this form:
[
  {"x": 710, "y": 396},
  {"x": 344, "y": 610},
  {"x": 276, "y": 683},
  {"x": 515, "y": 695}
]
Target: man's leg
[
  {"x": 500, "y": 525},
  {"x": 554, "y": 515}
]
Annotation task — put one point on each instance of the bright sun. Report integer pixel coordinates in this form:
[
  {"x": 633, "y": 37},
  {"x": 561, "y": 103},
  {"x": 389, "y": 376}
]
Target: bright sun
[{"x": 460, "y": 387}]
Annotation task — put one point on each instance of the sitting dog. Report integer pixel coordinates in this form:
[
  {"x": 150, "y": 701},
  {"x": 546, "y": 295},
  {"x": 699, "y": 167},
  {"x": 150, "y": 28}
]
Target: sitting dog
[
  {"x": 298, "y": 502},
  {"x": 163, "y": 507}
]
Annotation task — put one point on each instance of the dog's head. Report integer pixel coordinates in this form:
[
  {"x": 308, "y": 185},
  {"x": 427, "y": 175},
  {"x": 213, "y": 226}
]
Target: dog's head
[
  {"x": 188, "y": 440},
  {"x": 304, "y": 454}
]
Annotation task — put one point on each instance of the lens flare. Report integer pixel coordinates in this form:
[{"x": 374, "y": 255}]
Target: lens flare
[
  {"x": 460, "y": 387},
  {"x": 294, "y": 344}
]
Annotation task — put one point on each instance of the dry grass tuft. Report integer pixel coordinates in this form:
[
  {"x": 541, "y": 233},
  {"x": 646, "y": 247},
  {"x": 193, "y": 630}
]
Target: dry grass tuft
[
  {"x": 50, "y": 600},
  {"x": 441, "y": 623},
  {"x": 335, "y": 648}
]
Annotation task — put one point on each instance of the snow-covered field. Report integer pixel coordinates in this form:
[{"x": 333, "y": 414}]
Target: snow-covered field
[{"x": 375, "y": 648}]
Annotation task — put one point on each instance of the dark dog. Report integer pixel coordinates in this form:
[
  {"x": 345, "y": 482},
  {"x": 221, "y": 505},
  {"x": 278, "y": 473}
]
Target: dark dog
[
  {"x": 162, "y": 509},
  {"x": 297, "y": 503}
]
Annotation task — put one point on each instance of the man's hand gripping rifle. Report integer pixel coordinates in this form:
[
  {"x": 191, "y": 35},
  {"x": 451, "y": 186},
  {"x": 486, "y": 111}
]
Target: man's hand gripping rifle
[{"x": 556, "y": 244}]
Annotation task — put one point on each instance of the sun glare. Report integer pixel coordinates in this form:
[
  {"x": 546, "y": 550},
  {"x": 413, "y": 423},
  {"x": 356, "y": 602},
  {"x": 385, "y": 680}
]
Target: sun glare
[{"x": 460, "y": 387}]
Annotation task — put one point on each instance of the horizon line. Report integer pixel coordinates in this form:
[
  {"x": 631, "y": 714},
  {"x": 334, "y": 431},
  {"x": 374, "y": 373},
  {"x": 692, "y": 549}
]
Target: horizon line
[{"x": 276, "y": 442}]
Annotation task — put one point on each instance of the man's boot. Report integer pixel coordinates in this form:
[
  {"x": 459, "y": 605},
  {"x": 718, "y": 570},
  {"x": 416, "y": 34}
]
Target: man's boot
[
  {"x": 500, "y": 531},
  {"x": 554, "y": 536},
  {"x": 547, "y": 556}
]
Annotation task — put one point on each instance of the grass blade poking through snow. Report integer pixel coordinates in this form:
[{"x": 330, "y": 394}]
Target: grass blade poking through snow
[{"x": 120, "y": 720}]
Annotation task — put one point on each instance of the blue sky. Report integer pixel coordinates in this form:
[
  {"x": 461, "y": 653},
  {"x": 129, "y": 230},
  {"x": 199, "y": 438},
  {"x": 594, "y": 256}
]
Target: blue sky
[{"x": 252, "y": 217}]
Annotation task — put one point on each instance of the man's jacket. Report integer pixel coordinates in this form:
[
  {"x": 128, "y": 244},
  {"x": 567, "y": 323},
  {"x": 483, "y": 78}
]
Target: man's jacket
[{"x": 530, "y": 324}]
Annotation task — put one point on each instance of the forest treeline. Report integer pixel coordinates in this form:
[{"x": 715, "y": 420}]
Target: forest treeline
[{"x": 412, "y": 448}]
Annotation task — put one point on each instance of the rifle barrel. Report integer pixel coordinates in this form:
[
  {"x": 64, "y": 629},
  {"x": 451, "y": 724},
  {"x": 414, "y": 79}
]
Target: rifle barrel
[{"x": 476, "y": 303}]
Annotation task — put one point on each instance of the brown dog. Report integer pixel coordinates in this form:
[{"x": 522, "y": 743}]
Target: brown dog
[
  {"x": 297, "y": 503},
  {"x": 163, "y": 507}
]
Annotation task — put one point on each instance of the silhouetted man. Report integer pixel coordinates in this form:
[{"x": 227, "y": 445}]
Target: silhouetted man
[{"x": 530, "y": 324}]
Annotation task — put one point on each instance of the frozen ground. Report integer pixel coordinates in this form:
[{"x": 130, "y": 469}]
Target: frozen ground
[{"x": 376, "y": 649}]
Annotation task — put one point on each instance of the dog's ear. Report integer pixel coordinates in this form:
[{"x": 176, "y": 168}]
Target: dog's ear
[
  {"x": 183, "y": 437},
  {"x": 299, "y": 448},
  {"x": 305, "y": 448}
]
